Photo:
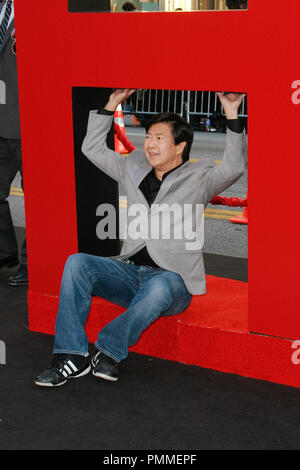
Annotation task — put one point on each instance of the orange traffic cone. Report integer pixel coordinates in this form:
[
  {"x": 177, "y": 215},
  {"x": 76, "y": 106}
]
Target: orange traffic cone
[
  {"x": 241, "y": 219},
  {"x": 119, "y": 121},
  {"x": 135, "y": 120}
]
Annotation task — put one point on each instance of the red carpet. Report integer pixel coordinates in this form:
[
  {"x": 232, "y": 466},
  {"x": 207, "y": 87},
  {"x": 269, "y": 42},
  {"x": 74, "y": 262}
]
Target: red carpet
[{"x": 212, "y": 333}]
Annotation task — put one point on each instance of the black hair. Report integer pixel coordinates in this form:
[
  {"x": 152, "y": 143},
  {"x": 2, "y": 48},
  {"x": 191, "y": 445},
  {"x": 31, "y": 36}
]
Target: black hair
[
  {"x": 237, "y": 4},
  {"x": 180, "y": 128},
  {"x": 128, "y": 6}
]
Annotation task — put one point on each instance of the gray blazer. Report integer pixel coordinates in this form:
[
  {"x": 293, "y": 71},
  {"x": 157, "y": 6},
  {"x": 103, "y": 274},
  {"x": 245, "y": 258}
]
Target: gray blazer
[
  {"x": 192, "y": 183},
  {"x": 9, "y": 111}
]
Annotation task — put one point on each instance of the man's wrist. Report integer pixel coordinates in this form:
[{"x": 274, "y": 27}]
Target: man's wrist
[
  {"x": 233, "y": 115},
  {"x": 111, "y": 106},
  {"x": 104, "y": 111}
]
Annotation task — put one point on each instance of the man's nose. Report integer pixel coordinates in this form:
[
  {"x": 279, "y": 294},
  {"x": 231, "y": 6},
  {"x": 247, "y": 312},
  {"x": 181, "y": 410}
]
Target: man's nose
[{"x": 151, "y": 143}]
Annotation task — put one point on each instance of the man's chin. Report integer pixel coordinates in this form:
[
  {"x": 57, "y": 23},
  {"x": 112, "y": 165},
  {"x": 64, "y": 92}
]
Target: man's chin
[{"x": 154, "y": 161}]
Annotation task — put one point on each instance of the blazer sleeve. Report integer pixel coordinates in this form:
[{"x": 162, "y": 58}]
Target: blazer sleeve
[
  {"x": 94, "y": 147},
  {"x": 220, "y": 177}
]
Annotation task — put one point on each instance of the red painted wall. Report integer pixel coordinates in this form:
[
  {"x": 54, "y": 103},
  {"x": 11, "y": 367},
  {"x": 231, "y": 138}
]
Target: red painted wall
[{"x": 254, "y": 51}]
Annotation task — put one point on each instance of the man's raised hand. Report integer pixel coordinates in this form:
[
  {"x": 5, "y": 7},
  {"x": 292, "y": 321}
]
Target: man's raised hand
[
  {"x": 231, "y": 103},
  {"x": 117, "y": 97}
]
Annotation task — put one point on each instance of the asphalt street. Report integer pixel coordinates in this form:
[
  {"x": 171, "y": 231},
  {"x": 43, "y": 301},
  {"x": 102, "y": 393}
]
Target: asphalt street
[{"x": 221, "y": 236}]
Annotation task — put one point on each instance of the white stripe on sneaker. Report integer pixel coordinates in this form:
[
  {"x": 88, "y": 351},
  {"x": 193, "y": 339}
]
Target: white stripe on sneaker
[
  {"x": 66, "y": 368},
  {"x": 72, "y": 365}
]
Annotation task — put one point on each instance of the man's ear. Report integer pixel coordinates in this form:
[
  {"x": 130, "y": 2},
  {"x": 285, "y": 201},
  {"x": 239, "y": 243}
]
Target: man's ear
[{"x": 180, "y": 147}]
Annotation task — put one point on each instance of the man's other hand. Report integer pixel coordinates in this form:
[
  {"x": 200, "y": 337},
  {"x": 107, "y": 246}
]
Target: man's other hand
[
  {"x": 117, "y": 97},
  {"x": 231, "y": 103}
]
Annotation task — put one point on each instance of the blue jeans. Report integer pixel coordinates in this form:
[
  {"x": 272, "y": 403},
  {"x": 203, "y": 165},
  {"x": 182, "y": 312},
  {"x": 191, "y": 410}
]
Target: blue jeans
[{"x": 145, "y": 292}]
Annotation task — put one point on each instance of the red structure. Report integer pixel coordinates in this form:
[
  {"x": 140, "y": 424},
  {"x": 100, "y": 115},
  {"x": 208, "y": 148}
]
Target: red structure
[{"x": 252, "y": 331}]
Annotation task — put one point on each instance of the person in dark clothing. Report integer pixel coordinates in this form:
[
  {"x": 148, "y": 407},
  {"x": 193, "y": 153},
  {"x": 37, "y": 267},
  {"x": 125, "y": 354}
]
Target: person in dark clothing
[{"x": 10, "y": 145}]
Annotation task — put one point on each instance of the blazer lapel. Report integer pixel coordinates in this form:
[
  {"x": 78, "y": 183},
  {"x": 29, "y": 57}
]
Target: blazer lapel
[
  {"x": 167, "y": 183},
  {"x": 141, "y": 171},
  {"x": 138, "y": 169}
]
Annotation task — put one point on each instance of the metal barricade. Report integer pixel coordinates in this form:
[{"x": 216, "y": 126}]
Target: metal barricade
[
  {"x": 204, "y": 103},
  {"x": 192, "y": 105}
]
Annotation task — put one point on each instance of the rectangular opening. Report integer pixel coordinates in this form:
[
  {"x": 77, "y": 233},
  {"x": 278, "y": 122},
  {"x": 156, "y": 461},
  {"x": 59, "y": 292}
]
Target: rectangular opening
[
  {"x": 155, "y": 5},
  {"x": 225, "y": 243}
]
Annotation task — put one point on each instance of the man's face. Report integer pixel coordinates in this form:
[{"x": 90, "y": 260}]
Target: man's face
[{"x": 159, "y": 147}]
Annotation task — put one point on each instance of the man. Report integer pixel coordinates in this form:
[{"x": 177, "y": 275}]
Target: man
[
  {"x": 153, "y": 276},
  {"x": 10, "y": 145}
]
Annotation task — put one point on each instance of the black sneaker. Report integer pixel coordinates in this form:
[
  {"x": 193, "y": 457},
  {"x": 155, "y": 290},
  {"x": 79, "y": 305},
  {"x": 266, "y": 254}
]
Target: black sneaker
[
  {"x": 63, "y": 367},
  {"x": 105, "y": 367}
]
